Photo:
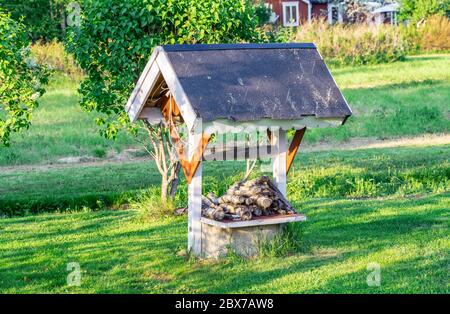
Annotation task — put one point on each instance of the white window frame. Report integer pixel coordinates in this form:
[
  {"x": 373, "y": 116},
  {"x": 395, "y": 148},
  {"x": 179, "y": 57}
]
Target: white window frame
[
  {"x": 296, "y": 6},
  {"x": 339, "y": 11}
]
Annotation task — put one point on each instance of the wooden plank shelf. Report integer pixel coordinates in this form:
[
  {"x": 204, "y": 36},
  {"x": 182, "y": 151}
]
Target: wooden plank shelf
[{"x": 260, "y": 221}]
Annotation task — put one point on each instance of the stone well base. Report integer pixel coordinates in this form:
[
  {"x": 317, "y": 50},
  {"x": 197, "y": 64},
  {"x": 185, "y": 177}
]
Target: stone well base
[{"x": 217, "y": 241}]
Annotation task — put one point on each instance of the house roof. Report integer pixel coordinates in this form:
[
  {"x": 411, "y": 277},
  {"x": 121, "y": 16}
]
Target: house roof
[
  {"x": 243, "y": 82},
  {"x": 393, "y": 7}
]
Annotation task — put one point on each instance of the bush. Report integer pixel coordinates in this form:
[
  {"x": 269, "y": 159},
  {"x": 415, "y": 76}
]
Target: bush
[
  {"x": 262, "y": 12},
  {"x": 434, "y": 34},
  {"x": 357, "y": 44},
  {"x": 20, "y": 80},
  {"x": 350, "y": 44},
  {"x": 419, "y": 10},
  {"x": 290, "y": 241},
  {"x": 43, "y": 19},
  {"x": 150, "y": 207},
  {"x": 53, "y": 56}
]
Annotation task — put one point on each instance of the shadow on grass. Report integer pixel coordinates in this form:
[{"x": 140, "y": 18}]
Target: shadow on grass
[
  {"x": 118, "y": 253},
  {"x": 338, "y": 242}
]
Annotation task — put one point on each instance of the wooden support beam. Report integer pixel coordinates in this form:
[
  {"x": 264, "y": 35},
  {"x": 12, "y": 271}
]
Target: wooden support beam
[
  {"x": 269, "y": 135},
  {"x": 170, "y": 110},
  {"x": 279, "y": 160},
  {"x": 197, "y": 157},
  {"x": 293, "y": 148},
  {"x": 195, "y": 190}
]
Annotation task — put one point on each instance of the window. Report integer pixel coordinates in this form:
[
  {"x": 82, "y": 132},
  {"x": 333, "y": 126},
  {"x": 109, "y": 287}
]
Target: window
[
  {"x": 335, "y": 13},
  {"x": 290, "y": 13}
]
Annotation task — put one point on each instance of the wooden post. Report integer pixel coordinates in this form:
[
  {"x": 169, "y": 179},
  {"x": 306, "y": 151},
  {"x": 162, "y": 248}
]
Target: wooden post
[
  {"x": 278, "y": 139},
  {"x": 195, "y": 195}
]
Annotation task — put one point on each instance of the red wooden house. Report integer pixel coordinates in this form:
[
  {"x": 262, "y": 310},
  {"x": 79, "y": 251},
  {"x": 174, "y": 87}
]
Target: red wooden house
[{"x": 296, "y": 12}]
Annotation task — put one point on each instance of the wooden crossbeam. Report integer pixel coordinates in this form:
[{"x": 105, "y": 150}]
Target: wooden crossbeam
[
  {"x": 239, "y": 153},
  {"x": 293, "y": 148},
  {"x": 170, "y": 110},
  {"x": 197, "y": 157}
]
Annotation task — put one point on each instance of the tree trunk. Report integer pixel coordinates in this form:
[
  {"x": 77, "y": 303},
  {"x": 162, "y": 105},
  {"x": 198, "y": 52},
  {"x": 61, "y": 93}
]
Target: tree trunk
[
  {"x": 175, "y": 181},
  {"x": 62, "y": 19},
  {"x": 164, "y": 188}
]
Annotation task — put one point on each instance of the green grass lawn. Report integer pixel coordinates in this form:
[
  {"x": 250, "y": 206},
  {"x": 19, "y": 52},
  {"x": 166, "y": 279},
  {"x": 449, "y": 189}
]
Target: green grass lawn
[
  {"x": 397, "y": 99},
  {"x": 403, "y": 226},
  {"x": 388, "y": 100},
  {"x": 354, "y": 173},
  {"x": 118, "y": 252},
  {"x": 60, "y": 128}
]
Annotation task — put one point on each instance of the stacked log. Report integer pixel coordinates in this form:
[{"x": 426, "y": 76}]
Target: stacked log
[{"x": 245, "y": 200}]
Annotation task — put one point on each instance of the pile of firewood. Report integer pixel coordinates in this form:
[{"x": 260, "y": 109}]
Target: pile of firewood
[{"x": 244, "y": 200}]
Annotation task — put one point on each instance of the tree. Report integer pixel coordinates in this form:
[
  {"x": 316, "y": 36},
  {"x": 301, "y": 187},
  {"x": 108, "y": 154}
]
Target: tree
[
  {"x": 44, "y": 19},
  {"x": 20, "y": 80},
  {"x": 115, "y": 40},
  {"x": 357, "y": 11},
  {"x": 419, "y": 10}
]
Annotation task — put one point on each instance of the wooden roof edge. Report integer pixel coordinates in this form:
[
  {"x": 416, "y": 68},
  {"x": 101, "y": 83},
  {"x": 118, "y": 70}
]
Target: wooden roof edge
[
  {"x": 340, "y": 91},
  {"x": 133, "y": 100},
  {"x": 159, "y": 64}
]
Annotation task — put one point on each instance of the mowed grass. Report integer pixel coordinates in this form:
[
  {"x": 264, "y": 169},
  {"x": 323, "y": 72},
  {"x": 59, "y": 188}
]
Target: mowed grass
[
  {"x": 119, "y": 252},
  {"x": 386, "y": 207},
  {"x": 391, "y": 100},
  {"x": 353, "y": 173},
  {"x": 388, "y": 100},
  {"x": 60, "y": 128}
]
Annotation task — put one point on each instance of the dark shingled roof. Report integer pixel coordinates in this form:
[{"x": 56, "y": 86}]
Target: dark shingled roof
[{"x": 247, "y": 82}]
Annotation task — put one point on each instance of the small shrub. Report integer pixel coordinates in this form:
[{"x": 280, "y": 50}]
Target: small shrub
[
  {"x": 262, "y": 12},
  {"x": 350, "y": 44},
  {"x": 99, "y": 152},
  {"x": 435, "y": 34},
  {"x": 290, "y": 241},
  {"x": 21, "y": 81},
  {"x": 150, "y": 206},
  {"x": 363, "y": 188},
  {"x": 52, "y": 55}
]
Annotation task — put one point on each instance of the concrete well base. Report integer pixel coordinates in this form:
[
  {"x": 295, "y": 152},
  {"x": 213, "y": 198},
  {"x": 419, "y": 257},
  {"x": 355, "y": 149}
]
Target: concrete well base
[{"x": 244, "y": 241}]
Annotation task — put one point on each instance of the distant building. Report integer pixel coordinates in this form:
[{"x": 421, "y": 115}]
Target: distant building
[
  {"x": 386, "y": 14},
  {"x": 293, "y": 13}
]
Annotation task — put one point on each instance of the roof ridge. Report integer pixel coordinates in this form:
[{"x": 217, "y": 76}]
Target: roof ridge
[{"x": 206, "y": 47}]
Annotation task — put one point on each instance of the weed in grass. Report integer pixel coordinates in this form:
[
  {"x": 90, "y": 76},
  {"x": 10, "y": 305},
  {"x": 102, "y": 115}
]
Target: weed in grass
[
  {"x": 289, "y": 241},
  {"x": 99, "y": 152},
  {"x": 232, "y": 256},
  {"x": 150, "y": 206},
  {"x": 363, "y": 188}
]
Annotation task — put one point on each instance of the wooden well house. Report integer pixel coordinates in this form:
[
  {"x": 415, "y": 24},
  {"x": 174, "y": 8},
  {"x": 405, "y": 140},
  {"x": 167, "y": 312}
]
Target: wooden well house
[{"x": 212, "y": 90}]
